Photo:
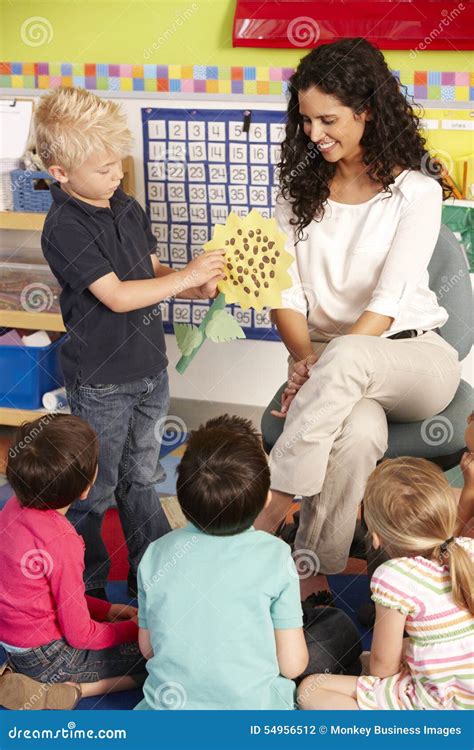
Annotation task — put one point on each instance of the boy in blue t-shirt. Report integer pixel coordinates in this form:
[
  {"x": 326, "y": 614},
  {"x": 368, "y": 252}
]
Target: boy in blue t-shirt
[
  {"x": 219, "y": 606},
  {"x": 99, "y": 245}
]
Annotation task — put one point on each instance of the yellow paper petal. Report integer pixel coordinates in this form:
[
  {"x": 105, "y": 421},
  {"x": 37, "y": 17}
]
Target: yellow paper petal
[{"x": 256, "y": 260}]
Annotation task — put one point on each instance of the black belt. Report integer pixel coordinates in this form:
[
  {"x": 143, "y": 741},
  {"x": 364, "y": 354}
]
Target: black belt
[{"x": 411, "y": 334}]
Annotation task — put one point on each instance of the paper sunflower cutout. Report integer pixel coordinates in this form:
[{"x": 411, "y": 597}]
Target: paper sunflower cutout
[
  {"x": 256, "y": 260},
  {"x": 256, "y": 273}
]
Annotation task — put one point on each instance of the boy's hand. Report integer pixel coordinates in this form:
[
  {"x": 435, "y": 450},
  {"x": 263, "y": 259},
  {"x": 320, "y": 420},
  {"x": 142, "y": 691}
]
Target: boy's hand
[
  {"x": 209, "y": 289},
  {"x": 119, "y": 612},
  {"x": 467, "y": 468},
  {"x": 204, "y": 268}
]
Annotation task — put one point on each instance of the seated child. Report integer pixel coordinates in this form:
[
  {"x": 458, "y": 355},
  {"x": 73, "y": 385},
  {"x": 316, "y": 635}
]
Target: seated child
[
  {"x": 51, "y": 630},
  {"x": 218, "y": 602},
  {"x": 466, "y": 501},
  {"x": 425, "y": 589}
]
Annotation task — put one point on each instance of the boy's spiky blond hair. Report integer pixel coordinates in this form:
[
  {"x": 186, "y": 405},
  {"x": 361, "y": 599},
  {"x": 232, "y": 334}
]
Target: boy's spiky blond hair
[{"x": 71, "y": 124}]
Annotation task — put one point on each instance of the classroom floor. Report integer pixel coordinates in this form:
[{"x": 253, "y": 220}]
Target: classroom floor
[{"x": 349, "y": 589}]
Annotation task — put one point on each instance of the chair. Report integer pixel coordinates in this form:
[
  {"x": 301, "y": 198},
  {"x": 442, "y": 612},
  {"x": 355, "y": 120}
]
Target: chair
[{"x": 439, "y": 439}]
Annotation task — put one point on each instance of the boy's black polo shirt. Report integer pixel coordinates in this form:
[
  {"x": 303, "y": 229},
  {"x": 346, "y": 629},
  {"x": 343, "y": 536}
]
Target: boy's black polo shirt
[{"x": 82, "y": 243}]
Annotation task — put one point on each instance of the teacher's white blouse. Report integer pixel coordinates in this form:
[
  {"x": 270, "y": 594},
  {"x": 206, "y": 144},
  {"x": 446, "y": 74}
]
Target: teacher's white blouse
[{"x": 371, "y": 256}]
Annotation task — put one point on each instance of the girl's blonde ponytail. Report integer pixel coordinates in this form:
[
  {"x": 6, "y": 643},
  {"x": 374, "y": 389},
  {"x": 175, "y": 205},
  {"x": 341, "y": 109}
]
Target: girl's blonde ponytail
[{"x": 461, "y": 572}]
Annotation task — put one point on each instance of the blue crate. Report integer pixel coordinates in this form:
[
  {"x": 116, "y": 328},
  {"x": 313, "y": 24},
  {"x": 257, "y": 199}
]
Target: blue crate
[
  {"x": 25, "y": 196},
  {"x": 27, "y": 373}
]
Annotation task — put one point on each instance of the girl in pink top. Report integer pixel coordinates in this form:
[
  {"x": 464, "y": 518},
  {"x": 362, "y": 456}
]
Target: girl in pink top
[{"x": 51, "y": 630}]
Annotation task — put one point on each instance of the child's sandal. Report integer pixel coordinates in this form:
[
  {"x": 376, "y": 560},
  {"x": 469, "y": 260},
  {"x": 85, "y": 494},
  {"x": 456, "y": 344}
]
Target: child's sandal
[{"x": 18, "y": 692}]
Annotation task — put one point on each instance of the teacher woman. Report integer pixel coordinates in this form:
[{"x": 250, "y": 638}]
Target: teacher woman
[{"x": 362, "y": 214}]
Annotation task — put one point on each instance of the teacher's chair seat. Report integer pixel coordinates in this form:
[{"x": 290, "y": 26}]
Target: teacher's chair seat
[{"x": 439, "y": 438}]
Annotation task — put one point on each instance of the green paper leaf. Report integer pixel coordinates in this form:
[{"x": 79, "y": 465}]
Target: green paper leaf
[
  {"x": 223, "y": 327},
  {"x": 188, "y": 337}
]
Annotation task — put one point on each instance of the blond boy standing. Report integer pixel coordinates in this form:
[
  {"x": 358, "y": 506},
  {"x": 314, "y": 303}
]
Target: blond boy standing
[{"x": 98, "y": 243}]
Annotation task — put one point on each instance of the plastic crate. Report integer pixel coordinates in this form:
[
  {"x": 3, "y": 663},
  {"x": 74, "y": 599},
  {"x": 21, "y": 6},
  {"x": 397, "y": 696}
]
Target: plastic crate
[
  {"x": 28, "y": 372},
  {"x": 26, "y": 196}
]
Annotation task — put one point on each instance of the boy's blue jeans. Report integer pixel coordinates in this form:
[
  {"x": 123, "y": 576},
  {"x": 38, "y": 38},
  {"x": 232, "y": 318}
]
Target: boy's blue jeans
[{"x": 127, "y": 420}]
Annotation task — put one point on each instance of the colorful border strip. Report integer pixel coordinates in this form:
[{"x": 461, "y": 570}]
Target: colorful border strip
[{"x": 205, "y": 79}]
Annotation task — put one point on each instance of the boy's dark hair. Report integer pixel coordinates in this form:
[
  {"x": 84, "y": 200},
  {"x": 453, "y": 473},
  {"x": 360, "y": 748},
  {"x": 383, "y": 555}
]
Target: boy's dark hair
[
  {"x": 52, "y": 461},
  {"x": 223, "y": 477}
]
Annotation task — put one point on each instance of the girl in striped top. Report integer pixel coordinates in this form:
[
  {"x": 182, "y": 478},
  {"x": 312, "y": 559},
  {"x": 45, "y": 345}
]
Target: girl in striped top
[{"x": 425, "y": 590}]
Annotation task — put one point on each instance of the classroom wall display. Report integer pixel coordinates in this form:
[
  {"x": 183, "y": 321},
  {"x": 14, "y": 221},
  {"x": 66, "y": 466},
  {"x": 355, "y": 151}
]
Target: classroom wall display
[
  {"x": 200, "y": 164},
  {"x": 249, "y": 80}
]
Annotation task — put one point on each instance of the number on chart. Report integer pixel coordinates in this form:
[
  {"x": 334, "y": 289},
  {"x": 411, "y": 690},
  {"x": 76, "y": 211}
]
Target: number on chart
[
  {"x": 158, "y": 211},
  {"x": 178, "y": 233},
  {"x": 196, "y": 172},
  {"x": 259, "y": 175},
  {"x": 162, "y": 251},
  {"x": 258, "y": 132},
  {"x": 156, "y": 129},
  {"x": 236, "y": 132},
  {"x": 277, "y": 132},
  {"x": 198, "y": 213},
  {"x": 176, "y": 171},
  {"x": 238, "y": 152},
  {"x": 197, "y": 151},
  {"x": 177, "y": 130},
  {"x": 216, "y": 131},
  {"x": 239, "y": 175},
  {"x": 178, "y": 254},
  {"x": 160, "y": 231},
  {"x": 217, "y": 194},
  {"x": 196, "y": 131},
  {"x": 217, "y": 173},
  {"x": 199, "y": 235},
  {"x": 179, "y": 211},
  {"x": 156, "y": 171},
  {"x": 181, "y": 312},
  {"x": 237, "y": 194},
  {"x": 156, "y": 191},
  {"x": 197, "y": 193},
  {"x": 176, "y": 192},
  {"x": 216, "y": 151}
]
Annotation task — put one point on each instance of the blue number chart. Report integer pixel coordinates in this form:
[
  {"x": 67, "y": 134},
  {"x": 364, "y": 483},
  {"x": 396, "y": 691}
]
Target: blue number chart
[{"x": 200, "y": 164}]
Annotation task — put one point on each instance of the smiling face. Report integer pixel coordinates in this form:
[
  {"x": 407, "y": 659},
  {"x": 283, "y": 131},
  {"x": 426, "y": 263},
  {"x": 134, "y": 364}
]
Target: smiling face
[
  {"x": 95, "y": 181},
  {"x": 335, "y": 129}
]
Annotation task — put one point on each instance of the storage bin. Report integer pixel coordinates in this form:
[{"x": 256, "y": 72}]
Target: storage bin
[
  {"x": 27, "y": 372},
  {"x": 26, "y": 196}
]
